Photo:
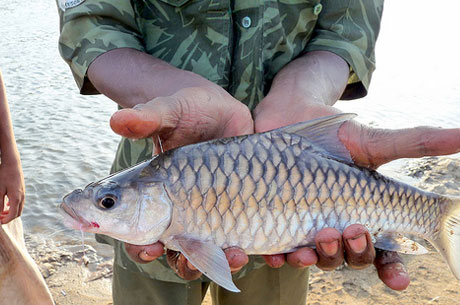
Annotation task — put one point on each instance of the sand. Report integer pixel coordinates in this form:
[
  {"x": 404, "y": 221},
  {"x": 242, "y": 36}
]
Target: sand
[{"x": 87, "y": 282}]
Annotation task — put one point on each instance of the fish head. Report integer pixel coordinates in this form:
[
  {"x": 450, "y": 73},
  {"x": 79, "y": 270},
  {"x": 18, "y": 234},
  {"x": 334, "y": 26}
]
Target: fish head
[{"x": 125, "y": 206}]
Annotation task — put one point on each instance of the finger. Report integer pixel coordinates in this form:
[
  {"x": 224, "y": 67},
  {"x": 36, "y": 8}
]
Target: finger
[
  {"x": 391, "y": 270},
  {"x": 2, "y": 201},
  {"x": 301, "y": 258},
  {"x": 329, "y": 248},
  {"x": 127, "y": 123},
  {"x": 359, "y": 250},
  {"x": 424, "y": 141},
  {"x": 14, "y": 208},
  {"x": 373, "y": 147},
  {"x": 275, "y": 261},
  {"x": 236, "y": 259},
  {"x": 144, "y": 254},
  {"x": 146, "y": 119},
  {"x": 181, "y": 266}
]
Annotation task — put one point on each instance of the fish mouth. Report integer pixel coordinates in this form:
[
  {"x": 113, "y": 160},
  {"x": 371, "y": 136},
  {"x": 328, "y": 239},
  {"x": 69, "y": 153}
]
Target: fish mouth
[{"x": 75, "y": 221}]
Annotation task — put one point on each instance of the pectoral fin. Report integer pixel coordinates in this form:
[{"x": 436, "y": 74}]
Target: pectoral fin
[
  {"x": 399, "y": 243},
  {"x": 208, "y": 258}
]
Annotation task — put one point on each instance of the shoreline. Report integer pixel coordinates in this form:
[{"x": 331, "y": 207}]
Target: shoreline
[{"x": 75, "y": 280}]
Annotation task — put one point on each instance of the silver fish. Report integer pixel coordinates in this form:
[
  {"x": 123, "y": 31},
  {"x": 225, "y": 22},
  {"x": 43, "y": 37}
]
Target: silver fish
[{"x": 265, "y": 193}]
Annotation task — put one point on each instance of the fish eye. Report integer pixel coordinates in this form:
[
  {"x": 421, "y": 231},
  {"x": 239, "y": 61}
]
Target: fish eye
[{"x": 107, "y": 201}]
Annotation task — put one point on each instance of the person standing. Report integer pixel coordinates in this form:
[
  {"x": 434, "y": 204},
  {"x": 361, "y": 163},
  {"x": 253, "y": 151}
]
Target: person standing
[{"x": 187, "y": 71}]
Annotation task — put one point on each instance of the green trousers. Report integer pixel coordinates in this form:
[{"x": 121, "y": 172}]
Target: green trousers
[{"x": 267, "y": 286}]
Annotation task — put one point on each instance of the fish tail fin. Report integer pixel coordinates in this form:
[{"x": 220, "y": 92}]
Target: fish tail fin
[{"x": 447, "y": 241}]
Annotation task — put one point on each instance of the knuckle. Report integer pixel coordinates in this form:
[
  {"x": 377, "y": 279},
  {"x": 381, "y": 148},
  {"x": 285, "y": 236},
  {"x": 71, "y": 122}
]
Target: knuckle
[
  {"x": 178, "y": 263},
  {"x": 386, "y": 257},
  {"x": 328, "y": 263},
  {"x": 360, "y": 261}
]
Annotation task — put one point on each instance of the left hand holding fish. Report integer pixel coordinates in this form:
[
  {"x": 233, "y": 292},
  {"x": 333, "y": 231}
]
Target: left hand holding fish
[{"x": 306, "y": 89}]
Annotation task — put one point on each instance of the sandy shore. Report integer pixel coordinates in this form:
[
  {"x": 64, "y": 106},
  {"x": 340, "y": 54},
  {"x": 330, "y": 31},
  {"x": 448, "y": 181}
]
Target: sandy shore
[{"x": 71, "y": 281}]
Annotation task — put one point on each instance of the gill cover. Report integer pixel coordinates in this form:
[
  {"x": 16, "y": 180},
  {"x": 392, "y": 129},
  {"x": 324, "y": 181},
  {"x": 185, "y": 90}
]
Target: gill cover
[{"x": 154, "y": 214}]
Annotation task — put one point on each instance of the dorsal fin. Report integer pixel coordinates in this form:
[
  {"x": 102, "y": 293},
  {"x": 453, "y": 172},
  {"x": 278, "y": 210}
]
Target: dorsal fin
[{"x": 323, "y": 133}]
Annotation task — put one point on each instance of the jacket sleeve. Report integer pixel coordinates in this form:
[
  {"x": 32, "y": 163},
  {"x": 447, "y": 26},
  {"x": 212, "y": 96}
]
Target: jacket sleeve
[
  {"x": 349, "y": 28},
  {"x": 92, "y": 28}
]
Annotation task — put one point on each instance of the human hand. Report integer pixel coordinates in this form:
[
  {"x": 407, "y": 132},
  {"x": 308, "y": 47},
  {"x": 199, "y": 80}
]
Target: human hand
[
  {"x": 370, "y": 148},
  {"x": 191, "y": 115},
  {"x": 12, "y": 186},
  {"x": 145, "y": 254}
]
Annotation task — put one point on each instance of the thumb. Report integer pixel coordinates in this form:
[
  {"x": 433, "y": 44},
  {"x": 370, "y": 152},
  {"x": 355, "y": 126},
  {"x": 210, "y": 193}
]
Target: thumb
[{"x": 144, "y": 120}]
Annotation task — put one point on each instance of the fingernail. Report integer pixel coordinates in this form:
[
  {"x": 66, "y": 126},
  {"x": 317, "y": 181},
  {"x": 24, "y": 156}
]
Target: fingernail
[
  {"x": 234, "y": 270},
  {"x": 330, "y": 248},
  {"x": 358, "y": 244},
  {"x": 146, "y": 257}
]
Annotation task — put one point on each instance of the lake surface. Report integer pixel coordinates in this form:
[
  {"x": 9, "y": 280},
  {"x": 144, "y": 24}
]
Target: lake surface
[{"x": 65, "y": 140}]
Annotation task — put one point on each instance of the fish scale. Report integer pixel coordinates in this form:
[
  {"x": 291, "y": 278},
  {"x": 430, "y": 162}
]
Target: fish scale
[{"x": 283, "y": 190}]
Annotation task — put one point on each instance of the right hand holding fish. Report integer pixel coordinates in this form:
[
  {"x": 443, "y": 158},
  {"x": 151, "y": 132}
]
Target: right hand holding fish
[{"x": 189, "y": 116}]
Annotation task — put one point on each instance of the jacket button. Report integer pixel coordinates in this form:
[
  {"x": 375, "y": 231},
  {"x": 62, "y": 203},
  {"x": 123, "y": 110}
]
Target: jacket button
[
  {"x": 246, "y": 22},
  {"x": 317, "y": 9}
]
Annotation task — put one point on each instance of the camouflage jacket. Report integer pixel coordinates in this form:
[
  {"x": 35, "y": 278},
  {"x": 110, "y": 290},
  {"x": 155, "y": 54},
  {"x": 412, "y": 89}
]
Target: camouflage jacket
[{"x": 239, "y": 44}]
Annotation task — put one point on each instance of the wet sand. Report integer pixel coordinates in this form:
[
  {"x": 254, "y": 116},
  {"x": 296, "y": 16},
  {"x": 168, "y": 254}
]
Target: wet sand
[{"x": 71, "y": 281}]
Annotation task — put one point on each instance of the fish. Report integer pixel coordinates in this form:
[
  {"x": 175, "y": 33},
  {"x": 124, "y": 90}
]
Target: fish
[{"x": 266, "y": 193}]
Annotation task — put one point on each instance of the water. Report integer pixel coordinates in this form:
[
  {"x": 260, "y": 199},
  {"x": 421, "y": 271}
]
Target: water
[
  {"x": 417, "y": 80},
  {"x": 65, "y": 140}
]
